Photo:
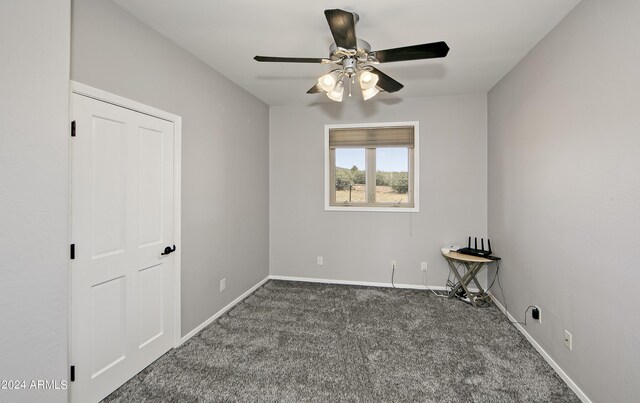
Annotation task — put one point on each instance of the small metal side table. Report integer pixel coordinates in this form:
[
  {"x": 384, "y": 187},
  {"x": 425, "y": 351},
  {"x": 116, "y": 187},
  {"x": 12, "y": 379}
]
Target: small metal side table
[{"x": 472, "y": 265}]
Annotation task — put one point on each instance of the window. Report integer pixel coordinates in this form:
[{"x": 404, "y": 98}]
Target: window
[{"x": 371, "y": 167}]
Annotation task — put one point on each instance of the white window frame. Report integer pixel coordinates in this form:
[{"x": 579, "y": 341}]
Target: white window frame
[{"x": 414, "y": 170}]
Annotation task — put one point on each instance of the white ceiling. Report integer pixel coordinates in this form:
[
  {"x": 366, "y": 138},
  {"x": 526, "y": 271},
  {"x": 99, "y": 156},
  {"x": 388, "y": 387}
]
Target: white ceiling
[{"x": 487, "y": 38}]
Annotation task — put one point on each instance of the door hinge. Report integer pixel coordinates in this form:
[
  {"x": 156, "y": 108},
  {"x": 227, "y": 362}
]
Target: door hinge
[
  {"x": 72, "y": 251},
  {"x": 72, "y": 373},
  {"x": 73, "y": 128}
]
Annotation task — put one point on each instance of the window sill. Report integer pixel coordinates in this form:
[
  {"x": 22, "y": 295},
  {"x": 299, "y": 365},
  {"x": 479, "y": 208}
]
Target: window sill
[{"x": 373, "y": 209}]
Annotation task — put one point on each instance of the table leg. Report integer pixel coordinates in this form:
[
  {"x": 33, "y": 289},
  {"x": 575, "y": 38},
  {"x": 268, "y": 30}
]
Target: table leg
[
  {"x": 466, "y": 279},
  {"x": 454, "y": 270},
  {"x": 477, "y": 267},
  {"x": 462, "y": 280}
]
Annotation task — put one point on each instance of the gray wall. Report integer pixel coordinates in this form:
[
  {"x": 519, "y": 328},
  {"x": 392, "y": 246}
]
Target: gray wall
[
  {"x": 34, "y": 121},
  {"x": 359, "y": 246},
  {"x": 224, "y": 149},
  {"x": 564, "y": 194}
]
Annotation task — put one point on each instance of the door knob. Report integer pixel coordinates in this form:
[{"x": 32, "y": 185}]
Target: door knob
[{"x": 168, "y": 250}]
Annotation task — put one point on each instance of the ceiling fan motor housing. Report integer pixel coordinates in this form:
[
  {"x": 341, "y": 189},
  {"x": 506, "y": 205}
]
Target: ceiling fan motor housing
[
  {"x": 349, "y": 66},
  {"x": 361, "y": 53}
]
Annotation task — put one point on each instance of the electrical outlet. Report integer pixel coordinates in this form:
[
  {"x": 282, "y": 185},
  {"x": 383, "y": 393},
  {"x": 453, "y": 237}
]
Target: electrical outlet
[
  {"x": 423, "y": 266},
  {"x": 536, "y": 313},
  {"x": 320, "y": 260},
  {"x": 568, "y": 340},
  {"x": 223, "y": 284},
  {"x": 394, "y": 264}
]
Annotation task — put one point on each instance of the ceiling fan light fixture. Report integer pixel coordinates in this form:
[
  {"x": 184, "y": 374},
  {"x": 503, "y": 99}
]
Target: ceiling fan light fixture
[
  {"x": 367, "y": 79},
  {"x": 328, "y": 81},
  {"x": 369, "y": 93},
  {"x": 336, "y": 93}
]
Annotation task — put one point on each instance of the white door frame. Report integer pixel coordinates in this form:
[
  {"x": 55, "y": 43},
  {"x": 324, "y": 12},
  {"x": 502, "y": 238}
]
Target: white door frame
[{"x": 104, "y": 96}]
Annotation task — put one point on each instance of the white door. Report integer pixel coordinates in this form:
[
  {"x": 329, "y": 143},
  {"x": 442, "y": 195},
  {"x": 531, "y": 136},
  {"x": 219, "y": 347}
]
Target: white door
[{"x": 122, "y": 316}]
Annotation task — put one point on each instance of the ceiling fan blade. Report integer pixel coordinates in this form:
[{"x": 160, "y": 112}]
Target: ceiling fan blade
[
  {"x": 416, "y": 52},
  {"x": 315, "y": 89},
  {"x": 291, "y": 59},
  {"x": 343, "y": 28},
  {"x": 385, "y": 82}
]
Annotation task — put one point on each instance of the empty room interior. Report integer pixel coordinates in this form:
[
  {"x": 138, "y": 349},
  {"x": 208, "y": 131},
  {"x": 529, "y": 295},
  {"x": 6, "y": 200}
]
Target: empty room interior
[{"x": 320, "y": 201}]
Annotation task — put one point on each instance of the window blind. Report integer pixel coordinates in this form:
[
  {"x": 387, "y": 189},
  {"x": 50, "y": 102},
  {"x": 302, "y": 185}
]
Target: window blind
[{"x": 372, "y": 137}]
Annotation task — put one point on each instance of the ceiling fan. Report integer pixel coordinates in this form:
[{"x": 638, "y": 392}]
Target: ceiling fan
[{"x": 354, "y": 58}]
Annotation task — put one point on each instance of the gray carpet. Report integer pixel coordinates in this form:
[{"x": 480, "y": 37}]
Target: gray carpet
[{"x": 295, "y": 342}]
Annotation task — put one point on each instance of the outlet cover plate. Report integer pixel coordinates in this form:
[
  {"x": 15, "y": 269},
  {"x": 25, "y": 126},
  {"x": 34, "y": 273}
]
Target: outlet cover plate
[{"x": 568, "y": 340}]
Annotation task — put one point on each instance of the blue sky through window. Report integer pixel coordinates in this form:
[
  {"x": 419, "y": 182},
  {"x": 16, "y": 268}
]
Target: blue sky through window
[
  {"x": 348, "y": 157},
  {"x": 392, "y": 159}
]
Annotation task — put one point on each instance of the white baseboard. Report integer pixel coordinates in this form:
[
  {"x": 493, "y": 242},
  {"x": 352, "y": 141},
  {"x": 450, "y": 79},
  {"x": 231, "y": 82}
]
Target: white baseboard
[
  {"x": 581, "y": 395},
  {"x": 222, "y": 311},
  {"x": 349, "y": 282},
  {"x": 364, "y": 283}
]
